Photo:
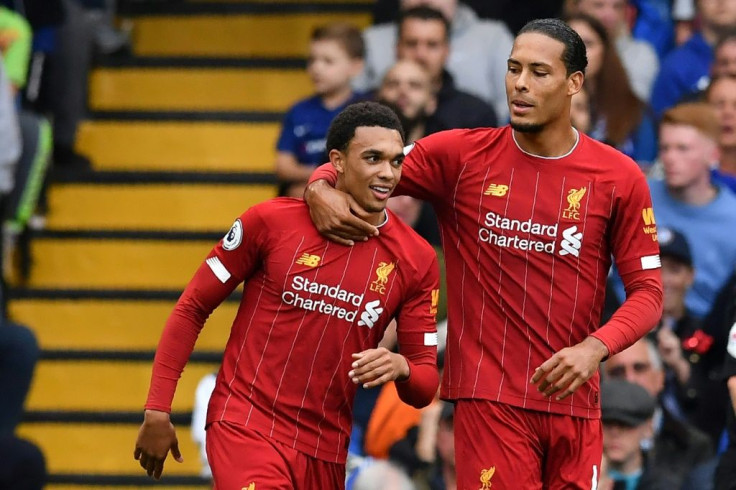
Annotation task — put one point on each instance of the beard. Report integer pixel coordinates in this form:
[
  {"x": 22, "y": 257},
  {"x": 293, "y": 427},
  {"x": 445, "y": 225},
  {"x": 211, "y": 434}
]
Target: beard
[
  {"x": 527, "y": 127},
  {"x": 408, "y": 123}
]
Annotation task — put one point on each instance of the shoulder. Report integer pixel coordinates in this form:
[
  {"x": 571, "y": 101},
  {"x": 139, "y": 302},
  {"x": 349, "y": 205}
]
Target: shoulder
[
  {"x": 413, "y": 247},
  {"x": 306, "y": 105},
  {"x": 610, "y": 158},
  {"x": 280, "y": 211},
  {"x": 380, "y": 32},
  {"x": 453, "y": 138}
]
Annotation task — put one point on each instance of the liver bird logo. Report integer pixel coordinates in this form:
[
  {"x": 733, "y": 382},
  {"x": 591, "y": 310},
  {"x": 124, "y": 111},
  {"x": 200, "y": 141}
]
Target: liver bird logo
[
  {"x": 382, "y": 273},
  {"x": 485, "y": 478},
  {"x": 574, "y": 196}
]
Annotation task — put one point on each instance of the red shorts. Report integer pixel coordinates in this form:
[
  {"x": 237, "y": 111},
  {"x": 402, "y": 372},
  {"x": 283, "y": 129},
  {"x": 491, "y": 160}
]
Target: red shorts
[
  {"x": 504, "y": 447},
  {"x": 241, "y": 457}
]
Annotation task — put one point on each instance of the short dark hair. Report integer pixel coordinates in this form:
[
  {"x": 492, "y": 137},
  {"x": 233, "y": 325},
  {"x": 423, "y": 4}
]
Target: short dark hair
[
  {"x": 573, "y": 56},
  {"x": 423, "y": 12},
  {"x": 342, "y": 129},
  {"x": 345, "y": 34}
]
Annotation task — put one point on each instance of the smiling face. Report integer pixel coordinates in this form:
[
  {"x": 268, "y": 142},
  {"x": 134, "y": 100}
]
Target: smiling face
[
  {"x": 537, "y": 85},
  {"x": 370, "y": 167}
]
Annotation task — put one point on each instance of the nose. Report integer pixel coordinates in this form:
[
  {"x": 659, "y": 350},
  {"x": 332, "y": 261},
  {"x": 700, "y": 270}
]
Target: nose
[
  {"x": 522, "y": 81},
  {"x": 385, "y": 172}
]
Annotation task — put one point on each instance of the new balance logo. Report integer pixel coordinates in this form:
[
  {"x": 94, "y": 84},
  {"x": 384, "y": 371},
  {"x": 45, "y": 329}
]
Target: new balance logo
[
  {"x": 572, "y": 240},
  {"x": 308, "y": 260},
  {"x": 372, "y": 311},
  {"x": 496, "y": 190}
]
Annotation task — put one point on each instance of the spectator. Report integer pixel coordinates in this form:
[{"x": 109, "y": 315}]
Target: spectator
[
  {"x": 407, "y": 87},
  {"x": 686, "y": 346},
  {"x": 199, "y": 418},
  {"x": 687, "y": 199},
  {"x": 617, "y": 115},
  {"x": 677, "y": 449},
  {"x": 638, "y": 57},
  {"x": 335, "y": 57},
  {"x": 474, "y": 67},
  {"x": 724, "y": 64},
  {"x": 726, "y": 472},
  {"x": 10, "y": 142},
  {"x": 15, "y": 46},
  {"x": 382, "y": 475},
  {"x": 685, "y": 71},
  {"x": 626, "y": 413},
  {"x": 580, "y": 111},
  {"x": 22, "y": 465},
  {"x": 721, "y": 96},
  {"x": 423, "y": 37},
  {"x": 655, "y": 24}
]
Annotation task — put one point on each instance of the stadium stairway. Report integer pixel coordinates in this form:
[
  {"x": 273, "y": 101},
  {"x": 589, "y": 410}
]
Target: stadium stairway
[{"x": 181, "y": 138}]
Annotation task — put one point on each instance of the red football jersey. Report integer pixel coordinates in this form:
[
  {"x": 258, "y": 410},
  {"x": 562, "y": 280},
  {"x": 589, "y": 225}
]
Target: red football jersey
[
  {"x": 307, "y": 305},
  {"x": 528, "y": 244}
]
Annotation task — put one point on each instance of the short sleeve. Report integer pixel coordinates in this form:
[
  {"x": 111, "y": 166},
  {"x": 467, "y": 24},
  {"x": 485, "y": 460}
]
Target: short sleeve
[
  {"x": 634, "y": 229},
  {"x": 431, "y": 163}
]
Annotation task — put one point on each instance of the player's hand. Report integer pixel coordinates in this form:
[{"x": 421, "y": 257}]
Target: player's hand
[
  {"x": 374, "y": 367},
  {"x": 155, "y": 438},
  {"x": 336, "y": 215},
  {"x": 569, "y": 368}
]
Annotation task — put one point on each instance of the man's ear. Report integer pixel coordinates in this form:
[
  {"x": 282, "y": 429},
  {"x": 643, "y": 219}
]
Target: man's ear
[
  {"x": 337, "y": 159},
  {"x": 575, "y": 83}
]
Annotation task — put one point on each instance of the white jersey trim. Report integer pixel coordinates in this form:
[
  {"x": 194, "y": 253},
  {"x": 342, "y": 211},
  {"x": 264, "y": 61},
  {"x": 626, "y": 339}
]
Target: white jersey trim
[
  {"x": 218, "y": 269},
  {"x": 651, "y": 262},
  {"x": 577, "y": 140}
]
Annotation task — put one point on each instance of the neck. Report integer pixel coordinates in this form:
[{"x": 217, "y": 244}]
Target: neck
[
  {"x": 337, "y": 98},
  {"x": 675, "y": 312},
  {"x": 551, "y": 141},
  {"x": 416, "y": 132},
  {"x": 728, "y": 160},
  {"x": 629, "y": 466},
  {"x": 698, "y": 194},
  {"x": 710, "y": 34}
]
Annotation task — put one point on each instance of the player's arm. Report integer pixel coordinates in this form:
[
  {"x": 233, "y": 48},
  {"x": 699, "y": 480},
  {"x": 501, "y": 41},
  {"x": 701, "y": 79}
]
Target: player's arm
[
  {"x": 429, "y": 166},
  {"x": 417, "y": 379},
  {"x": 636, "y": 252},
  {"x": 227, "y": 265}
]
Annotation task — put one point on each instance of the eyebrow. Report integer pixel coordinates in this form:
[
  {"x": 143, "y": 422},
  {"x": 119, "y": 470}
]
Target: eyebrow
[{"x": 534, "y": 64}]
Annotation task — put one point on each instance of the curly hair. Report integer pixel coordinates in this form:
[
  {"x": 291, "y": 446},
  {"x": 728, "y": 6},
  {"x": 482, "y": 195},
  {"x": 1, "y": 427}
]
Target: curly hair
[{"x": 353, "y": 116}]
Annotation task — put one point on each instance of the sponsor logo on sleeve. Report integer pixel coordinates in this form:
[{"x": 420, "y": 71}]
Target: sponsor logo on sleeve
[
  {"x": 650, "y": 225},
  {"x": 651, "y": 262},
  {"x": 430, "y": 339},
  {"x": 408, "y": 148},
  {"x": 382, "y": 272},
  {"x": 308, "y": 260},
  {"x": 435, "y": 301},
  {"x": 496, "y": 190},
  {"x": 234, "y": 237},
  {"x": 574, "y": 196}
]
